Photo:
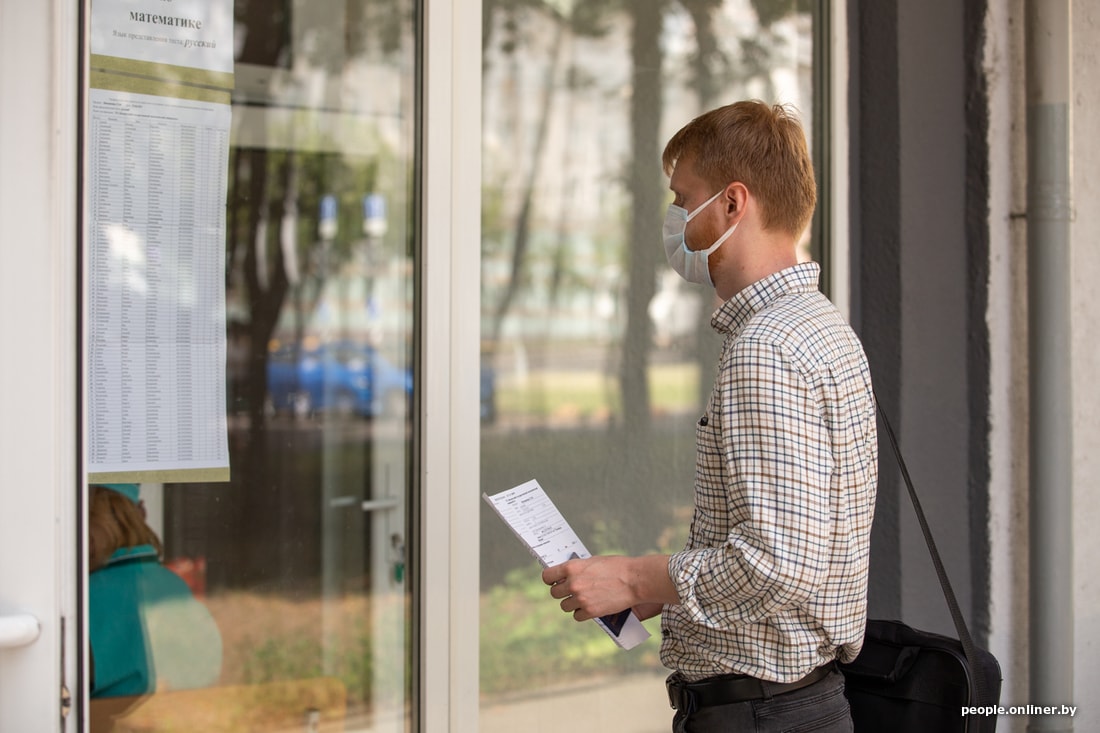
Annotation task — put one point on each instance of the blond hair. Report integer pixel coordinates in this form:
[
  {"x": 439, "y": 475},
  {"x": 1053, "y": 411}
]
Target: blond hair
[
  {"x": 763, "y": 147},
  {"x": 114, "y": 522}
]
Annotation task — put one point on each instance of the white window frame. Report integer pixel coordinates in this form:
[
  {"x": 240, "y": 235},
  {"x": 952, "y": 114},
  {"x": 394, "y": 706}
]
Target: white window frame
[
  {"x": 449, "y": 366},
  {"x": 839, "y": 255}
]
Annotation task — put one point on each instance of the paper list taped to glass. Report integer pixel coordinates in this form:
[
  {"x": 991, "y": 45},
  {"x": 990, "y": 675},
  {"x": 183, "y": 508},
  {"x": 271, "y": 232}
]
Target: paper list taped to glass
[{"x": 535, "y": 519}]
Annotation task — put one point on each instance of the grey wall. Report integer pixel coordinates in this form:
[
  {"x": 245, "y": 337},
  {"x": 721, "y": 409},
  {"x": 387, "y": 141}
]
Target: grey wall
[{"x": 920, "y": 253}]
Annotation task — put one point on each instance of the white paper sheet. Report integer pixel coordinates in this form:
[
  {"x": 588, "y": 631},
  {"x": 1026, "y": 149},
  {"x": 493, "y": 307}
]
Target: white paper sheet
[
  {"x": 156, "y": 285},
  {"x": 536, "y": 520},
  {"x": 196, "y": 34}
]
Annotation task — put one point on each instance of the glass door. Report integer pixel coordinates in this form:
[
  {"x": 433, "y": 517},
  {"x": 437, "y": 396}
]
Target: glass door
[
  {"x": 597, "y": 358},
  {"x": 290, "y": 562}
]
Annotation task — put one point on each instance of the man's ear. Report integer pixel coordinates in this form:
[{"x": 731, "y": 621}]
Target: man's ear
[{"x": 737, "y": 195}]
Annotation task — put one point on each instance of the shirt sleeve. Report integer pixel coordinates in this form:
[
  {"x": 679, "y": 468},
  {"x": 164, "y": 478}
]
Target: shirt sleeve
[{"x": 772, "y": 452}]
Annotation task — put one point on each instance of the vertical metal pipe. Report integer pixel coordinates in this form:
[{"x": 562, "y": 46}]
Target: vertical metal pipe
[{"x": 1049, "y": 213}]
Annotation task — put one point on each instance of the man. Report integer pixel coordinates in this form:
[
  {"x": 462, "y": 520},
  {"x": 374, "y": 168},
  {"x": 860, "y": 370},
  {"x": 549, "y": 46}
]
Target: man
[{"x": 771, "y": 588}]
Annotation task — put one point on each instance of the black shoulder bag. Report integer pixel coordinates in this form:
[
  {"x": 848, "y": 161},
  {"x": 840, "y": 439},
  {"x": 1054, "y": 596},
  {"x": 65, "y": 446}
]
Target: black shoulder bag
[{"x": 910, "y": 681}]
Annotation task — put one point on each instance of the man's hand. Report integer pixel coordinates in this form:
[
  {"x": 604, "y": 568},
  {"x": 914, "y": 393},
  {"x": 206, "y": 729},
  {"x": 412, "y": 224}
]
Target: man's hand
[
  {"x": 603, "y": 585},
  {"x": 648, "y": 610}
]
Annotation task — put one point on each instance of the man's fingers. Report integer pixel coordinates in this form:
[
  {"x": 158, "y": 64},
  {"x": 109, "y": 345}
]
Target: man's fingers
[
  {"x": 570, "y": 605},
  {"x": 553, "y": 574},
  {"x": 557, "y": 577},
  {"x": 558, "y": 590}
]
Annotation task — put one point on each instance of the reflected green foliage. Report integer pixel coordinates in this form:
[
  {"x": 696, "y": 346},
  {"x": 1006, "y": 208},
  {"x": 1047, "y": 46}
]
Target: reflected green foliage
[
  {"x": 279, "y": 659},
  {"x": 527, "y": 642},
  {"x": 283, "y": 659},
  {"x": 282, "y": 644},
  {"x": 608, "y": 508}
]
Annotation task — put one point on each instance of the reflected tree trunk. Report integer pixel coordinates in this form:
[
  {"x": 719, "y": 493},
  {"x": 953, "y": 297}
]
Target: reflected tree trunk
[
  {"x": 647, "y": 193},
  {"x": 708, "y": 57},
  {"x": 522, "y": 231},
  {"x": 266, "y": 41},
  {"x": 267, "y": 286},
  {"x": 631, "y": 465}
]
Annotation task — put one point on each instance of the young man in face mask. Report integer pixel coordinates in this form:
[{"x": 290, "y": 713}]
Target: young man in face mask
[{"x": 771, "y": 588}]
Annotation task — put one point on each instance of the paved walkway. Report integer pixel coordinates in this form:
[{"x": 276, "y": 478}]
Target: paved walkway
[{"x": 629, "y": 704}]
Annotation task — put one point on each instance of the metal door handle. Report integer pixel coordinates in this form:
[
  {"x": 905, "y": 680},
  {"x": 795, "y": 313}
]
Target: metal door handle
[
  {"x": 18, "y": 630},
  {"x": 374, "y": 505}
]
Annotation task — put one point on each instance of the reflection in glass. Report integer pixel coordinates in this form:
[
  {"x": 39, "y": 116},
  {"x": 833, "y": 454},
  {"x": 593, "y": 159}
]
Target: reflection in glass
[
  {"x": 599, "y": 355},
  {"x": 147, "y": 630},
  {"x": 301, "y": 557}
]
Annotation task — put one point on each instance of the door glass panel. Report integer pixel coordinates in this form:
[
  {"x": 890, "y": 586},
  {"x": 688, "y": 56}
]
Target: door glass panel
[
  {"x": 296, "y": 567},
  {"x": 596, "y": 357}
]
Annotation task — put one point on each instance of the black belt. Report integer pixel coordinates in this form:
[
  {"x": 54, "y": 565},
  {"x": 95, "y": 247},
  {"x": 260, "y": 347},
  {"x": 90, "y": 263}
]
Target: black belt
[{"x": 733, "y": 688}]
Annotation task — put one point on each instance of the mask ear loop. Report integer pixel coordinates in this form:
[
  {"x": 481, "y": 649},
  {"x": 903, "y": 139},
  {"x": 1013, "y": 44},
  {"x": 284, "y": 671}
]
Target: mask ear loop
[
  {"x": 704, "y": 205},
  {"x": 721, "y": 239},
  {"x": 724, "y": 237}
]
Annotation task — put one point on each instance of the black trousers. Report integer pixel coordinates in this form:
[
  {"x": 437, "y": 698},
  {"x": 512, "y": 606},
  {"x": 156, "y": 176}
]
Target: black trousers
[{"x": 818, "y": 708}]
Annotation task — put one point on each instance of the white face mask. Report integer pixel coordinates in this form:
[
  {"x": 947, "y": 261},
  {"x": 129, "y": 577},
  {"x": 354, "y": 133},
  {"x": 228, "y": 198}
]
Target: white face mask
[{"x": 689, "y": 263}]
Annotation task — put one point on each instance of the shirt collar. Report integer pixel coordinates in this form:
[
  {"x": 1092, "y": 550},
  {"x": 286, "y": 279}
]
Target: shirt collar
[
  {"x": 732, "y": 315},
  {"x": 132, "y": 553}
]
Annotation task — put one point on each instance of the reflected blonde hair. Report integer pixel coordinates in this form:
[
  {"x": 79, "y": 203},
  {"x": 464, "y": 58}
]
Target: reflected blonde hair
[
  {"x": 763, "y": 147},
  {"x": 114, "y": 522}
]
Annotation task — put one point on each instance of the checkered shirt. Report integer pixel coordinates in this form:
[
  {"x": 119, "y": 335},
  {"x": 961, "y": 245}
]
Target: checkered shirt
[{"x": 773, "y": 579}]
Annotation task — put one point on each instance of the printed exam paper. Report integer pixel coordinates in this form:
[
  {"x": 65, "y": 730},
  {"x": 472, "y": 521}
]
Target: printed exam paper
[{"x": 535, "y": 519}]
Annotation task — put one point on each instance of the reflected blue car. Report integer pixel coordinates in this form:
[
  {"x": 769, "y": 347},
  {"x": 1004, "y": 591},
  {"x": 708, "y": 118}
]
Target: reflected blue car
[{"x": 343, "y": 376}]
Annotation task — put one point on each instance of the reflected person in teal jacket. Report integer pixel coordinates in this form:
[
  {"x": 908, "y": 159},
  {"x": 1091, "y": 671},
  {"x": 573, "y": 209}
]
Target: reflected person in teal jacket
[{"x": 147, "y": 632}]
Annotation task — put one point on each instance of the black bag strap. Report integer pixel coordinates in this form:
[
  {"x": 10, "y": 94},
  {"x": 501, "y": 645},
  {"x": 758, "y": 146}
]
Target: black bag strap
[{"x": 981, "y": 687}]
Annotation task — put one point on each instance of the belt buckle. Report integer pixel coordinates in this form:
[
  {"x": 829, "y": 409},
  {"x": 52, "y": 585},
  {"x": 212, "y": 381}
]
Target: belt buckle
[
  {"x": 679, "y": 696},
  {"x": 673, "y": 693}
]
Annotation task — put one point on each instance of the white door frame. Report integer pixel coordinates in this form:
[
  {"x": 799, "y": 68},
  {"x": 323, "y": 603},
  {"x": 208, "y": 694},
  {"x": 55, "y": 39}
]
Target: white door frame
[
  {"x": 40, "y": 466},
  {"x": 450, "y": 351},
  {"x": 39, "y": 63}
]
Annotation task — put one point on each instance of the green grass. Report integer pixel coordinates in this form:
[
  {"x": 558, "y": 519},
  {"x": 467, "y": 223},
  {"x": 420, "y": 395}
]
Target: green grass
[
  {"x": 527, "y": 642},
  {"x": 546, "y": 394},
  {"x": 624, "y": 490}
]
